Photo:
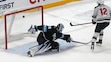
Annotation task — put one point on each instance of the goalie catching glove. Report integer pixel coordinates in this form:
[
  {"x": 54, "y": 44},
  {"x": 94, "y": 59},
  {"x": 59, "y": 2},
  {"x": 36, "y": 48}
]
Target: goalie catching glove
[{"x": 32, "y": 30}]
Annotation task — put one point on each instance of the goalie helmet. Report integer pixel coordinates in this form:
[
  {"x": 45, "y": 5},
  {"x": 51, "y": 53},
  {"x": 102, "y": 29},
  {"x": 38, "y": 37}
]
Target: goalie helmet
[
  {"x": 60, "y": 27},
  {"x": 100, "y": 2}
]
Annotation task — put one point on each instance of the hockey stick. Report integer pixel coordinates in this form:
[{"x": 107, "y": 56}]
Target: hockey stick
[
  {"x": 80, "y": 24},
  {"x": 81, "y": 42}
]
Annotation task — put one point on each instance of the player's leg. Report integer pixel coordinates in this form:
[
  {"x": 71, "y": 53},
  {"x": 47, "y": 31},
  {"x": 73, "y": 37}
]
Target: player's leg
[
  {"x": 102, "y": 27},
  {"x": 99, "y": 42},
  {"x": 33, "y": 50},
  {"x": 38, "y": 49},
  {"x": 94, "y": 39},
  {"x": 96, "y": 34},
  {"x": 99, "y": 28}
]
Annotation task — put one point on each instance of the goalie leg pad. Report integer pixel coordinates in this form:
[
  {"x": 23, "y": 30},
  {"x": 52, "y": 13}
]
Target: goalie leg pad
[
  {"x": 34, "y": 49},
  {"x": 39, "y": 49}
]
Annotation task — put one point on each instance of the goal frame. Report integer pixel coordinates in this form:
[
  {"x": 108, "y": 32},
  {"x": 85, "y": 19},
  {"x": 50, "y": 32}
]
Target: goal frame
[{"x": 5, "y": 21}]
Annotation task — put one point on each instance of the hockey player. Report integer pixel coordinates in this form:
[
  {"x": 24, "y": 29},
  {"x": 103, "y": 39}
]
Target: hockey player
[
  {"x": 46, "y": 38},
  {"x": 101, "y": 17}
]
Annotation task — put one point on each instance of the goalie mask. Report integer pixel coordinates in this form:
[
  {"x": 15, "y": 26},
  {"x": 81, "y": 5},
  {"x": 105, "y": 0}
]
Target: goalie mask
[{"x": 60, "y": 27}]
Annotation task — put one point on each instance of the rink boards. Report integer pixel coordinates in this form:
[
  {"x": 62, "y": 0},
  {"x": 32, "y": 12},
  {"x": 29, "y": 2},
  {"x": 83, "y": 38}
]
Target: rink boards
[{"x": 54, "y": 4}]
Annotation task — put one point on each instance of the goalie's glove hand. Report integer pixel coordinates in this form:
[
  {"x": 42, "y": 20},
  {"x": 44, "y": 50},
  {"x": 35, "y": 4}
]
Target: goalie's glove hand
[
  {"x": 93, "y": 22},
  {"x": 31, "y": 30}
]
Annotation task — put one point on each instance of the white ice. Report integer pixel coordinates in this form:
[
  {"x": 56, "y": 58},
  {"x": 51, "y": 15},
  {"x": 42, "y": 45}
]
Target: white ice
[{"x": 77, "y": 13}]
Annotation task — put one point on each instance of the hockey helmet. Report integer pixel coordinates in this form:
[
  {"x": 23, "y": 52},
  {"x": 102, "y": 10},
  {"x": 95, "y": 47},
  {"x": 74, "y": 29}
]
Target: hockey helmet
[
  {"x": 60, "y": 27},
  {"x": 100, "y": 2}
]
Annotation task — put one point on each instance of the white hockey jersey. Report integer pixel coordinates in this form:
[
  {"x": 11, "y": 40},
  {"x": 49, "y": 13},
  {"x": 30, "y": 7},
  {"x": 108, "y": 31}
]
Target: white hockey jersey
[{"x": 102, "y": 13}]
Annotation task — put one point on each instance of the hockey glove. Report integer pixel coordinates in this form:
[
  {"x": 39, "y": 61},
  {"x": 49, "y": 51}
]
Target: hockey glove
[
  {"x": 31, "y": 30},
  {"x": 67, "y": 38},
  {"x": 93, "y": 22}
]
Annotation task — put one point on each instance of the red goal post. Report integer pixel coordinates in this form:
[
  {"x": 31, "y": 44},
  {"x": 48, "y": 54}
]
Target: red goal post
[{"x": 8, "y": 14}]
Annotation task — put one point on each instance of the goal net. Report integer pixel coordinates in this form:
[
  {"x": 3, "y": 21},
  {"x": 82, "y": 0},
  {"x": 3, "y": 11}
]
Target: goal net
[{"x": 15, "y": 24}]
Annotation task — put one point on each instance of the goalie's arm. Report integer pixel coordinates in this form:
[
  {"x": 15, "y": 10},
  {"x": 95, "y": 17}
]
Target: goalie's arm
[
  {"x": 63, "y": 36},
  {"x": 43, "y": 28}
]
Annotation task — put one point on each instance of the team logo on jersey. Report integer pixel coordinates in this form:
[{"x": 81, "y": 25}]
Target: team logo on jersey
[{"x": 2, "y": 0}]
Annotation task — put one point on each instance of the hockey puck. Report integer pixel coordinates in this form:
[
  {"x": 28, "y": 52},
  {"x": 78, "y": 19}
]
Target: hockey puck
[{"x": 23, "y": 16}]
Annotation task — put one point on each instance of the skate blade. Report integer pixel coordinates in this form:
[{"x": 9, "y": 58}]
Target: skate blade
[
  {"x": 99, "y": 44},
  {"x": 92, "y": 48}
]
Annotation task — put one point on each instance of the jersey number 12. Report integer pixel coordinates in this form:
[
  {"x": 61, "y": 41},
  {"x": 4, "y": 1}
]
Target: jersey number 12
[{"x": 103, "y": 11}]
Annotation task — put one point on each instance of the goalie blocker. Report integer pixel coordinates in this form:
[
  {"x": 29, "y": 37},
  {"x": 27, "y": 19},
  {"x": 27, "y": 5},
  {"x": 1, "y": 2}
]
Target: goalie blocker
[{"x": 46, "y": 38}]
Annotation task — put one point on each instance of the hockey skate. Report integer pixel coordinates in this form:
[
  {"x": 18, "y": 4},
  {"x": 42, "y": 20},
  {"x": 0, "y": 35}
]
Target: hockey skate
[
  {"x": 92, "y": 46},
  {"x": 99, "y": 43}
]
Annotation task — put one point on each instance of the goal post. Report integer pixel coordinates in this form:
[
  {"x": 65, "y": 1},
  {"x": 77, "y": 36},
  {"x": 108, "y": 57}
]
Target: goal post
[{"x": 8, "y": 28}]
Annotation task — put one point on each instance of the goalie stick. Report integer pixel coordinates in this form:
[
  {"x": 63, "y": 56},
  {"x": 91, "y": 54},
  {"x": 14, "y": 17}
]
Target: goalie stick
[
  {"x": 80, "y": 24},
  {"x": 81, "y": 42}
]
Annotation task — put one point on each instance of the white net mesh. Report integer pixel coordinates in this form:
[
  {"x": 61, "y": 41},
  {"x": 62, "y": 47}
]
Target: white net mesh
[{"x": 17, "y": 23}]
